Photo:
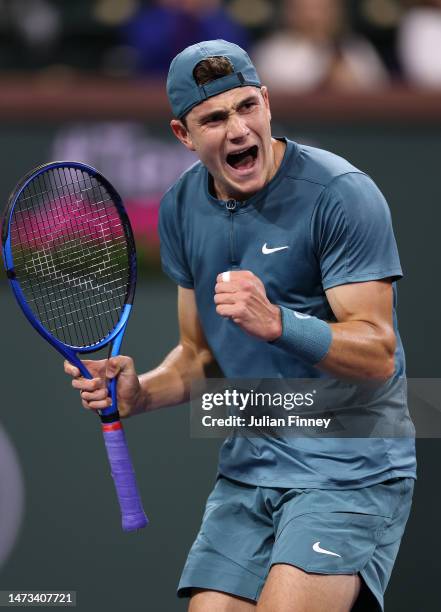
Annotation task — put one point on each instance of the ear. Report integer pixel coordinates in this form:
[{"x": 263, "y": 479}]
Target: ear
[
  {"x": 182, "y": 133},
  {"x": 265, "y": 96}
]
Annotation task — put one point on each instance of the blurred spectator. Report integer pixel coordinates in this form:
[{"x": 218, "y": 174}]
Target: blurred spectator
[
  {"x": 29, "y": 32},
  {"x": 315, "y": 49},
  {"x": 378, "y": 21},
  {"x": 37, "y": 21},
  {"x": 159, "y": 32},
  {"x": 419, "y": 44}
]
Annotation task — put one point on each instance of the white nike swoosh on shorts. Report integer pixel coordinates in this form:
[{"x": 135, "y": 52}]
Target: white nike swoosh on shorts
[{"x": 316, "y": 548}]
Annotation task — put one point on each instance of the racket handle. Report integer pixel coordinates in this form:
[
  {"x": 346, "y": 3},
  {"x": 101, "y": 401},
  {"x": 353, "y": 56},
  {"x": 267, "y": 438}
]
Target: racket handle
[{"x": 123, "y": 474}]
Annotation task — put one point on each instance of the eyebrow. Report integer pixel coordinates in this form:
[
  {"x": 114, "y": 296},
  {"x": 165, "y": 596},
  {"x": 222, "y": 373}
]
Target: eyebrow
[{"x": 222, "y": 114}]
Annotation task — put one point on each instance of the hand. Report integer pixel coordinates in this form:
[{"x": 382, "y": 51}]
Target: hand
[
  {"x": 94, "y": 394},
  {"x": 241, "y": 297}
]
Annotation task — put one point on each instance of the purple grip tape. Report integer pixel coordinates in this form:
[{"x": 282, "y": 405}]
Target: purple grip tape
[{"x": 132, "y": 512}]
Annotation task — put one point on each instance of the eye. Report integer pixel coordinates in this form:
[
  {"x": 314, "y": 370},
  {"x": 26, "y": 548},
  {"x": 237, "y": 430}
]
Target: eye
[
  {"x": 213, "y": 120},
  {"x": 247, "y": 107}
]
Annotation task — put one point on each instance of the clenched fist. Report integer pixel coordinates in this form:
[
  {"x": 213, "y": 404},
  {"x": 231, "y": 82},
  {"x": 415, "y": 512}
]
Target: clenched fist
[{"x": 240, "y": 296}]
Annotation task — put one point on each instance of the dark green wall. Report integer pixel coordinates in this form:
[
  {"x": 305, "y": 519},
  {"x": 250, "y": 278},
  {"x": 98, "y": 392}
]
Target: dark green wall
[{"x": 71, "y": 534}]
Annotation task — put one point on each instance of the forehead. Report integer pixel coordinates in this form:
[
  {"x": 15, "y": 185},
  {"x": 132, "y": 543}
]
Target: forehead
[{"x": 224, "y": 101}]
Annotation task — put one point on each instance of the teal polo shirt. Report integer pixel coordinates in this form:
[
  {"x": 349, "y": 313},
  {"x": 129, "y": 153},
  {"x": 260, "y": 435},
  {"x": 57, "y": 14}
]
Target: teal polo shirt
[{"x": 337, "y": 227}]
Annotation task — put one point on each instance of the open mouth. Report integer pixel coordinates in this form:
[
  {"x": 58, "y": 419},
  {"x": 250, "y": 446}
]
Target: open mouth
[{"x": 243, "y": 160}]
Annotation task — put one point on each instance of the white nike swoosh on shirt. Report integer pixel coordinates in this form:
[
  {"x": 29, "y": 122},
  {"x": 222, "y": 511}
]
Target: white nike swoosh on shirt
[
  {"x": 266, "y": 250},
  {"x": 316, "y": 548}
]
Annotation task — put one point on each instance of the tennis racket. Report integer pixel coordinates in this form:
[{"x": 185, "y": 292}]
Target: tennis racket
[{"x": 70, "y": 258}]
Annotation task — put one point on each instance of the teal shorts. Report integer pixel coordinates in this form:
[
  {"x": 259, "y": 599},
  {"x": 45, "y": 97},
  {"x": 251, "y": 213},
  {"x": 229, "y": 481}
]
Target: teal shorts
[{"x": 247, "y": 529}]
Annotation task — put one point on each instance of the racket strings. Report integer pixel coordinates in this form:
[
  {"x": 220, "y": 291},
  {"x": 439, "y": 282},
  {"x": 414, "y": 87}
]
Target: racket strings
[
  {"x": 71, "y": 255},
  {"x": 70, "y": 278},
  {"x": 42, "y": 252},
  {"x": 86, "y": 283}
]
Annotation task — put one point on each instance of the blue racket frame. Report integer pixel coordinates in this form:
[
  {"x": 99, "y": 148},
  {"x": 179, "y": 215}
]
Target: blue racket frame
[{"x": 133, "y": 515}]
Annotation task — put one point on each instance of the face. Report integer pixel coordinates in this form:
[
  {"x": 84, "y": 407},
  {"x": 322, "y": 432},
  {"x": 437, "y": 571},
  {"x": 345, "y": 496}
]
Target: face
[{"x": 231, "y": 134}]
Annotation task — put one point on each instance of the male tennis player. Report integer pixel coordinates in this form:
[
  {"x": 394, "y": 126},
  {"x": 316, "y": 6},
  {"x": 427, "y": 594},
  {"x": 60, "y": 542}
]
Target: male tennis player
[{"x": 286, "y": 263}]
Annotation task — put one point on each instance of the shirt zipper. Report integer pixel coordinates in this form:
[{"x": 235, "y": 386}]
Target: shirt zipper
[{"x": 231, "y": 206}]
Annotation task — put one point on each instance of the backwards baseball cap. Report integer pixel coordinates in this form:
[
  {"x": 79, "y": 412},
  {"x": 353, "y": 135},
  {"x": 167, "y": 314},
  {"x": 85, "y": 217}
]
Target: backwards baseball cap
[{"x": 183, "y": 91}]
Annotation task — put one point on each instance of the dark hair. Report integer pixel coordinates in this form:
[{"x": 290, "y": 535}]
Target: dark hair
[{"x": 210, "y": 69}]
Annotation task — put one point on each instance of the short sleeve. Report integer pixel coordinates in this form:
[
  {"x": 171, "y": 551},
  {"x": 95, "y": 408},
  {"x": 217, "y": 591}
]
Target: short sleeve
[
  {"x": 352, "y": 233},
  {"x": 173, "y": 258}
]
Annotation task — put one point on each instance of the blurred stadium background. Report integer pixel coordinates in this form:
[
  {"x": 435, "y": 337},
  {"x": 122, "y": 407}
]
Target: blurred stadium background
[{"x": 85, "y": 80}]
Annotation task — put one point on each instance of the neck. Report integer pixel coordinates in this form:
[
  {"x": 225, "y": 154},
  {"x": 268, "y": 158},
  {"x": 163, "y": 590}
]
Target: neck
[{"x": 278, "y": 148}]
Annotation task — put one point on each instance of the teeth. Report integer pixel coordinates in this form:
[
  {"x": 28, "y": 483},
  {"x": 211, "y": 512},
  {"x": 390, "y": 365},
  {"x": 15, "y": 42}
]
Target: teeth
[{"x": 240, "y": 151}]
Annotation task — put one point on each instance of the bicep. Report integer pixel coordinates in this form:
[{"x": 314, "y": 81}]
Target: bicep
[
  {"x": 371, "y": 302},
  {"x": 190, "y": 328}
]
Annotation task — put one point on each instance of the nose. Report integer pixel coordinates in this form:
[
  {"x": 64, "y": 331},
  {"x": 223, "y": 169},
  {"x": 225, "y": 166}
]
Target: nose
[{"x": 237, "y": 127}]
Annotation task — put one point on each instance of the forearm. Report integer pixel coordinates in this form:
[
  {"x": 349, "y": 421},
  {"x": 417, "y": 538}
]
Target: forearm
[
  {"x": 354, "y": 349},
  {"x": 360, "y": 350},
  {"x": 169, "y": 384}
]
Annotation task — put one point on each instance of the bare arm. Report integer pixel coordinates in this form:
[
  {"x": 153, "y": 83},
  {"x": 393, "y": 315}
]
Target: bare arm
[
  {"x": 166, "y": 385},
  {"x": 170, "y": 382},
  {"x": 363, "y": 339}
]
